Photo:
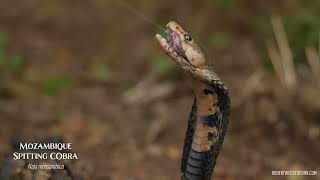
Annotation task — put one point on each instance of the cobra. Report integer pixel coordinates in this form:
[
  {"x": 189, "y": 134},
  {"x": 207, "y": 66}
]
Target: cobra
[{"x": 208, "y": 121}]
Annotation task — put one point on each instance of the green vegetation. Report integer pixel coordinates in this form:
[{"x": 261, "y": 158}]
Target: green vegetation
[
  {"x": 3, "y": 42},
  {"x": 302, "y": 27},
  {"x": 52, "y": 85},
  {"x": 23, "y": 90},
  {"x": 161, "y": 64},
  {"x": 268, "y": 66},
  {"x": 219, "y": 40},
  {"x": 14, "y": 64},
  {"x": 215, "y": 24},
  {"x": 10, "y": 63},
  {"x": 227, "y": 4},
  {"x": 303, "y": 30},
  {"x": 100, "y": 70}
]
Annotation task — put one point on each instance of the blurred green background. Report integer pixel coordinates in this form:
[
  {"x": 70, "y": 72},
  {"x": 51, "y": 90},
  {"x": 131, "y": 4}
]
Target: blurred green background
[{"x": 91, "y": 71}]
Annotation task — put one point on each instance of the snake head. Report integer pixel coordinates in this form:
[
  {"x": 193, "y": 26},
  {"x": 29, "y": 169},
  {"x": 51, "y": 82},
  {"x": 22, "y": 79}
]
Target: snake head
[{"x": 181, "y": 47}]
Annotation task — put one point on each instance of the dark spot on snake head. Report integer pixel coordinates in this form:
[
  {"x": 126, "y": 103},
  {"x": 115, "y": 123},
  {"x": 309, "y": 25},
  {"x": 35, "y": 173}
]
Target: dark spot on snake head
[
  {"x": 210, "y": 136},
  {"x": 207, "y": 91}
]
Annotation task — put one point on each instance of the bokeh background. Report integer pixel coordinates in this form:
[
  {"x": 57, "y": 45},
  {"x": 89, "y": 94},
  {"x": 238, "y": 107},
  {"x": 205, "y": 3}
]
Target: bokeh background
[{"x": 90, "y": 71}]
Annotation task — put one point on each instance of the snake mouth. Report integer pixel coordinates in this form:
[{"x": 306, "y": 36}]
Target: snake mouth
[
  {"x": 172, "y": 45},
  {"x": 174, "y": 41}
]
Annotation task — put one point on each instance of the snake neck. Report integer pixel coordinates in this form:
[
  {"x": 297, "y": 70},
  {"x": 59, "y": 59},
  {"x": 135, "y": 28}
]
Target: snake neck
[
  {"x": 206, "y": 98},
  {"x": 206, "y": 126}
]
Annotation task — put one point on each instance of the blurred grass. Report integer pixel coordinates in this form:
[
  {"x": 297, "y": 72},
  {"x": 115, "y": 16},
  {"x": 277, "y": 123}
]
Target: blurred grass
[
  {"x": 303, "y": 31},
  {"x": 51, "y": 86},
  {"x": 100, "y": 70},
  {"x": 11, "y": 63},
  {"x": 24, "y": 90},
  {"x": 227, "y": 4},
  {"x": 216, "y": 21},
  {"x": 268, "y": 66},
  {"x": 123, "y": 88},
  {"x": 302, "y": 27},
  {"x": 14, "y": 64},
  {"x": 3, "y": 42},
  {"x": 161, "y": 64},
  {"x": 164, "y": 66},
  {"x": 220, "y": 40}
]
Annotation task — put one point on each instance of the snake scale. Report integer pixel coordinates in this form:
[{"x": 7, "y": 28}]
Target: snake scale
[{"x": 208, "y": 119}]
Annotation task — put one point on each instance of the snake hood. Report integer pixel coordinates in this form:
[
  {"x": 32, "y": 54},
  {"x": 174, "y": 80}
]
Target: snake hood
[{"x": 182, "y": 48}]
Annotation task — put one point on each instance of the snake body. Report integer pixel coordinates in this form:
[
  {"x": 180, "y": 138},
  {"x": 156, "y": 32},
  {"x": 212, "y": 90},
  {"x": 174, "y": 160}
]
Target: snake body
[{"x": 208, "y": 119}]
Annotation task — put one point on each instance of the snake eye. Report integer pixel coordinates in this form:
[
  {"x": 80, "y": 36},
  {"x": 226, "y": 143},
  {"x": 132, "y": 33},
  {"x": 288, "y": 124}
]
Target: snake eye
[{"x": 188, "y": 37}]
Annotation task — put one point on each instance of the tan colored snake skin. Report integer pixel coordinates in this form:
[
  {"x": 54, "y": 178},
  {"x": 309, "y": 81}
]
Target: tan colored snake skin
[{"x": 209, "y": 116}]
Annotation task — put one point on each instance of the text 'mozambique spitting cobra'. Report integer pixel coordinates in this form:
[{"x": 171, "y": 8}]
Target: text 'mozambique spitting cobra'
[{"x": 209, "y": 115}]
